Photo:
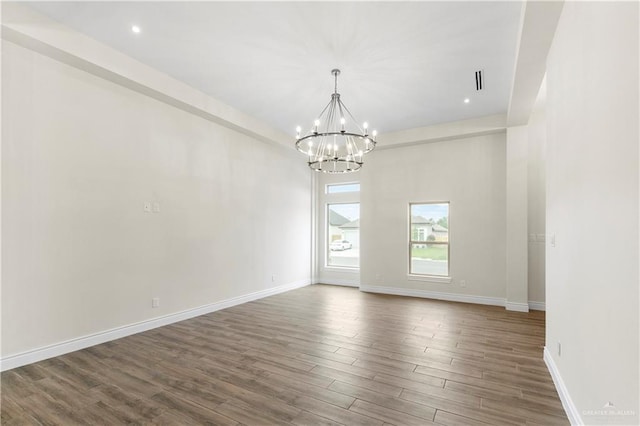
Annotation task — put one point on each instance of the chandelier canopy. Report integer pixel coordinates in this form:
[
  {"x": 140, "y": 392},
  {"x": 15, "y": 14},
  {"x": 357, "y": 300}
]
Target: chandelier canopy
[{"x": 336, "y": 143}]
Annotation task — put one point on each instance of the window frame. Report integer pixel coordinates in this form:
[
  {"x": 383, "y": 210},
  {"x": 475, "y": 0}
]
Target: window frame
[
  {"x": 327, "y": 186},
  {"x": 327, "y": 243},
  {"x": 412, "y": 242}
]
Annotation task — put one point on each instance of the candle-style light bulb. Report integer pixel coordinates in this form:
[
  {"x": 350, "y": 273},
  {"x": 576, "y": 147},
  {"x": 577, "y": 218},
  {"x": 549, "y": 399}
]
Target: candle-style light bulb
[
  {"x": 375, "y": 133},
  {"x": 298, "y": 130}
]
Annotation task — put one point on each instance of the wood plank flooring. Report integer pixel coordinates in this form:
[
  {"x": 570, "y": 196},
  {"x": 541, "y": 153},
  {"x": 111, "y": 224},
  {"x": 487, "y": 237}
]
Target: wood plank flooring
[{"x": 320, "y": 355}]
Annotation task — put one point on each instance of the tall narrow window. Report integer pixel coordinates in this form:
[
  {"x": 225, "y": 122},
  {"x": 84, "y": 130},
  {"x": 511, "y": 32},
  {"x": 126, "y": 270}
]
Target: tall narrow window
[
  {"x": 343, "y": 235},
  {"x": 429, "y": 239}
]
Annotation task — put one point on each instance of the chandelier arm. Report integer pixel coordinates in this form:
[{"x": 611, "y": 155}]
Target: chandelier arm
[
  {"x": 352, "y": 117},
  {"x": 350, "y": 145},
  {"x": 354, "y": 147},
  {"x": 331, "y": 116},
  {"x": 320, "y": 152},
  {"x": 323, "y": 110},
  {"x": 326, "y": 143},
  {"x": 341, "y": 112}
]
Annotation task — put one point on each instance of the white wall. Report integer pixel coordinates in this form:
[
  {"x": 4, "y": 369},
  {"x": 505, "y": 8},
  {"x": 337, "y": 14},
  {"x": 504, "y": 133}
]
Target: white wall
[
  {"x": 81, "y": 155},
  {"x": 516, "y": 245},
  {"x": 470, "y": 173},
  {"x": 592, "y": 209},
  {"x": 464, "y": 167},
  {"x": 536, "y": 182}
]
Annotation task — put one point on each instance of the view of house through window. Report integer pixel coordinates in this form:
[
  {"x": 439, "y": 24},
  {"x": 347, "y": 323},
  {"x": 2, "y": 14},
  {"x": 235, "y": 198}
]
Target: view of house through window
[
  {"x": 429, "y": 239},
  {"x": 343, "y": 235}
]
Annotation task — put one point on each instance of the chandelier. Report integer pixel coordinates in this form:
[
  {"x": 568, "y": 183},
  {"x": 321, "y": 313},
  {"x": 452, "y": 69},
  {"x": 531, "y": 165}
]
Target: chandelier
[{"x": 336, "y": 143}]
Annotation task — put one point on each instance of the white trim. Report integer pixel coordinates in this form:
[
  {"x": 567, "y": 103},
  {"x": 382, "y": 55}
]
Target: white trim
[
  {"x": 516, "y": 306},
  {"x": 345, "y": 269},
  {"x": 57, "y": 349},
  {"x": 429, "y": 278},
  {"x": 451, "y": 297},
  {"x": 327, "y": 185},
  {"x": 537, "y": 306},
  {"x": 340, "y": 282},
  {"x": 454, "y": 297},
  {"x": 569, "y": 407},
  {"x": 313, "y": 261},
  {"x": 446, "y": 131}
]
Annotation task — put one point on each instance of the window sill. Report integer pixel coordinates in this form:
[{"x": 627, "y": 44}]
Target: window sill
[
  {"x": 429, "y": 278},
  {"x": 341, "y": 269}
]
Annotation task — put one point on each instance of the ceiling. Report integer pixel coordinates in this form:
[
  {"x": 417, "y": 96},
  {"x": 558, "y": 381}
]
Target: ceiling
[{"x": 404, "y": 64}]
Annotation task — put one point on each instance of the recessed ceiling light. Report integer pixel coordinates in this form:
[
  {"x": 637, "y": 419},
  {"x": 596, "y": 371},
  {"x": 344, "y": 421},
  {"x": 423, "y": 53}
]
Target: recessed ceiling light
[
  {"x": 467, "y": 100},
  {"x": 136, "y": 29}
]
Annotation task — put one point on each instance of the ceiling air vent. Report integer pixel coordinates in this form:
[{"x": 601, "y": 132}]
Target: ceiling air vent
[{"x": 479, "y": 80}]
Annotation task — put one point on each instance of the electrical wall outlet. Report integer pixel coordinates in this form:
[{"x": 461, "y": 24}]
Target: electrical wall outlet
[
  {"x": 273, "y": 278},
  {"x": 463, "y": 283},
  {"x": 147, "y": 207},
  {"x": 156, "y": 207},
  {"x": 155, "y": 302}
]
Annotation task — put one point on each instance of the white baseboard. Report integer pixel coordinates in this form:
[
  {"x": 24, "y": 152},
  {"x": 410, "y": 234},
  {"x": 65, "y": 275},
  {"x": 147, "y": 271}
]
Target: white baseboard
[
  {"x": 572, "y": 412},
  {"x": 537, "y": 306},
  {"x": 343, "y": 283},
  {"x": 451, "y": 297},
  {"x": 516, "y": 306},
  {"x": 57, "y": 349}
]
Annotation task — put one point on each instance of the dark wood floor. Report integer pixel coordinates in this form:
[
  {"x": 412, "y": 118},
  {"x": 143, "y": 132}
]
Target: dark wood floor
[{"x": 320, "y": 355}]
